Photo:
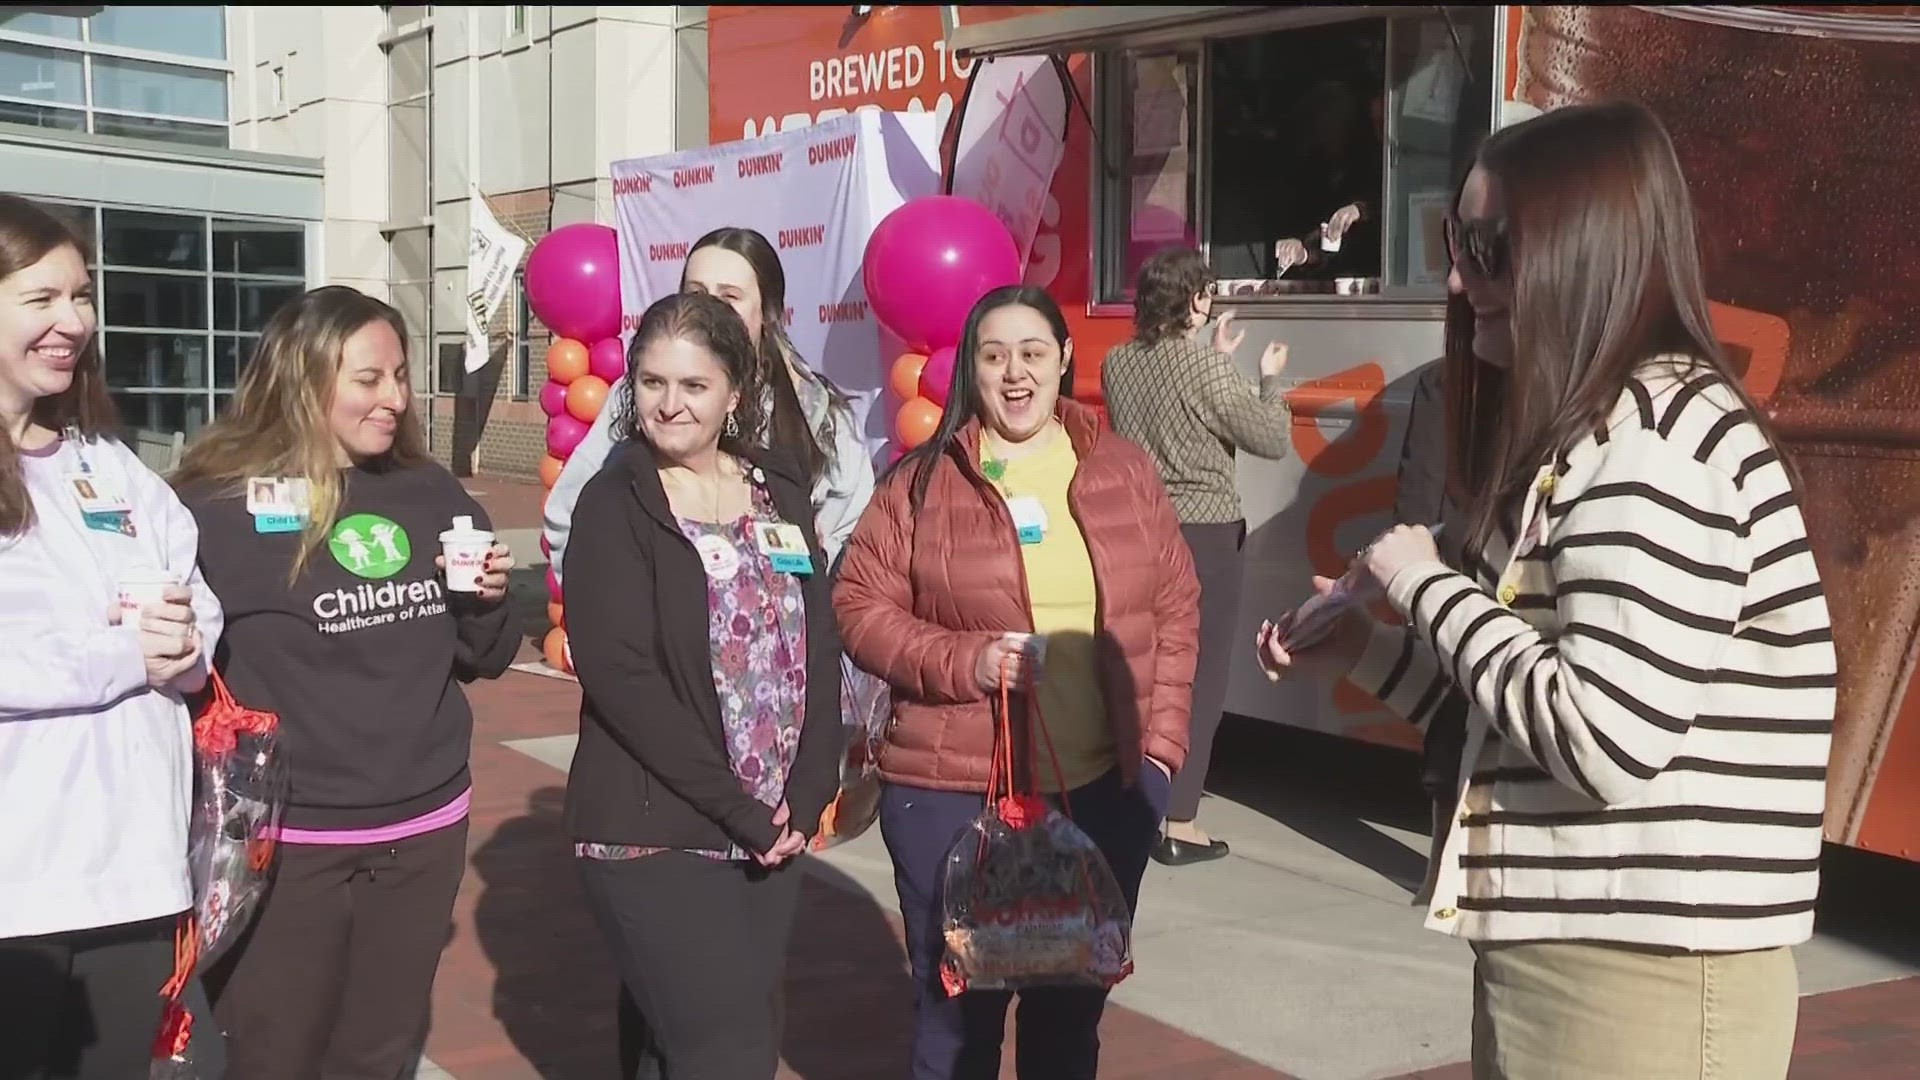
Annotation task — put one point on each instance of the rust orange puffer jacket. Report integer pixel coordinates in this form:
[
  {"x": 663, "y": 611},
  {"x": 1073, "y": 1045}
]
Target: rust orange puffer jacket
[{"x": 920, "y": 595}]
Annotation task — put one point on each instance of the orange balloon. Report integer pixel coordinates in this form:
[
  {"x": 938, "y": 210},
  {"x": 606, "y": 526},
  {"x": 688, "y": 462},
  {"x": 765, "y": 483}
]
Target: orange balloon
[
  {"x": 550, "y": 467},
  {"x": 915, "y": 422},
  {"x": 585, "y": 395},
  {"x": 555, "y": 646},
  {"x": 905, "y": 377},
  {"x": 556, "y": 615},
  {"x": 567, "y": 360}
]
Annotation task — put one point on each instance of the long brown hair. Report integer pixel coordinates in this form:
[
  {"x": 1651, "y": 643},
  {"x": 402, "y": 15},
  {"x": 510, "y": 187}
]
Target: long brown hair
[
  {"x": 28, "y": 234},
  {"x": 278, "y": 426},
  {"x": 1605, "y": 264},
  {"x": 786, "y": 422}
]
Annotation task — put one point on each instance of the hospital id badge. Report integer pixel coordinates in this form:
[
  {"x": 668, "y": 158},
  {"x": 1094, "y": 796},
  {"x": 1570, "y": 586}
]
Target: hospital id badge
[
  {"x": 279, "y": 504},
  {"x": 102, "y": 506},
  {"x": 785, "y": 546},
  {"x": 1029, "y": 518}
]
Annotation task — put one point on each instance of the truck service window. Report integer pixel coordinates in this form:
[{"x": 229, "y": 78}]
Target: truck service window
[{"x": 1250, "y": 145}]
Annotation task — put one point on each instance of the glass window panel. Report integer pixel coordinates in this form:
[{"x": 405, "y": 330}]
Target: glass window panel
[
  {"x": 1295, "y": 135},
  {"x": 1437, "y": 115},
  {"x": 1151, "y": 205},
  {"x": 260, "y": 247},
  {"x": 78, "y": 218},
  {"x": 164, "y": 413},
  {"x": 408, "y": 67},
  {"x": 174, "y": 131},
  {"x": 35, "y": 22},
  {"x": 167, "y": 361},
  {"x": 408, "y": 157},
  {"x": 166, "y": 241},
  {"x": 137, "y": 86},
  {"x": 412, "y": 300},
  {"x": 411, "y": 255},
  {"x": 522, "y": 340},
  {"x": 401, "y": 15},
  {"x": 450, "y": 367},
  {"x": 222, "y": 405},
  {"x": 186, "y": 31},
  {"x": 160, "y": 300},
  {"x": 231, "y": 355},
  {"x": 419, "y": 366},
  {"x": 42, "y": 116},
  {"x": 28, "y": 71},
  {"x": 242, "y": 304}
]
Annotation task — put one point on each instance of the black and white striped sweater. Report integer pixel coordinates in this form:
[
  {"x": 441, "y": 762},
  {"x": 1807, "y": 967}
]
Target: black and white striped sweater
[{"x": 1653, "y": 674}]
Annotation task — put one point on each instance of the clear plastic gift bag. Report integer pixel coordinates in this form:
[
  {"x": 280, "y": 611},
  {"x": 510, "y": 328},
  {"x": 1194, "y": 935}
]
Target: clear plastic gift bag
[
  {"x": 240, "y": 790},
  {"x": 240, "y": 793},
  {"x": 1029, "y": 899},
  {"x": 866, "y": 707}
]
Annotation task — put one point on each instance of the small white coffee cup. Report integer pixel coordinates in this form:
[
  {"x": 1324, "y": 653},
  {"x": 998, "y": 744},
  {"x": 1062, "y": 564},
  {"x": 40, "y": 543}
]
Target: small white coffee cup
[
  {"x": 465, "y": 549},
  {"x": 140, "y": 587}
]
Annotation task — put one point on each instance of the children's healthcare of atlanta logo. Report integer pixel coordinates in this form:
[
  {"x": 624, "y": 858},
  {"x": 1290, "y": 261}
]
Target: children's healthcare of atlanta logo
[{"x": 370, "y": 546}]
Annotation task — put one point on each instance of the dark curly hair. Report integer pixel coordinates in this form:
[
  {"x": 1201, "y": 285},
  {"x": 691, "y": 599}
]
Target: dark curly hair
[
  {"x": 708, "y": 322},
  {"x": 1163, "y": 295}
]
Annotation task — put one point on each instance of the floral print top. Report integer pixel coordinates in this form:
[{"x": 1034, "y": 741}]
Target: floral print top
[{"x": 757, "y": 629}]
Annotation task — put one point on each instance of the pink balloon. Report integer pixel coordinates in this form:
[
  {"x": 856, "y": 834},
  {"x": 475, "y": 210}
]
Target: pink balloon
[
  {"x": 573, "y": 282},
  {"x": 563, "y": 434},
  {"x": 936, "y": 376},
  {"x": 553, "y": 398},
  {"x": 608, "y": 360},
  {"x": 930, "y": 261},
  {"x": 553, "y": 588}
]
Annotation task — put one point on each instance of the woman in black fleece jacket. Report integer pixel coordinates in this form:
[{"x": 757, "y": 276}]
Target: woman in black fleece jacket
[{"x": 348, "y": 630}]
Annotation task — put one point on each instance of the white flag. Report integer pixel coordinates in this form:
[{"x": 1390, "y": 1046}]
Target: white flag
[
  {"x": 493, "y": 254},
  {"x": 1006, "y": 139}
]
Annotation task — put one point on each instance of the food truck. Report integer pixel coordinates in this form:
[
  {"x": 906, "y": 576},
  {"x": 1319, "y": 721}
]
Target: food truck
[{"x": 1235, "y": 128}]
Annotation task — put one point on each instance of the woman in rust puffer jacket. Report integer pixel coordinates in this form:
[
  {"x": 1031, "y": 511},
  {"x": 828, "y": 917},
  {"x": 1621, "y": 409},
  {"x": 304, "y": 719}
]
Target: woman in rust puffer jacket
[{"x": 1023, "y": 536}]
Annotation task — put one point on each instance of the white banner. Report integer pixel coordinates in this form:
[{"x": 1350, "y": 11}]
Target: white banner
[
  {"x": 1012, "y": 134},
  {"x": 816, "y": 194},
  {"x": 493, "y": 254}
]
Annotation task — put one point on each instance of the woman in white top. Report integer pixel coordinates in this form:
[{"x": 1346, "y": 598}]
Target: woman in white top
[
  {"x": 95, "y": 747},
  {"x": 1642, "y": 640}
]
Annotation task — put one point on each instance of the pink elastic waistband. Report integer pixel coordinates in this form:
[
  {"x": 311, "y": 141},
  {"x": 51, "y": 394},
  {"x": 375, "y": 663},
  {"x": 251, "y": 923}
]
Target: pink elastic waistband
[{"x": 449, "y": 814}]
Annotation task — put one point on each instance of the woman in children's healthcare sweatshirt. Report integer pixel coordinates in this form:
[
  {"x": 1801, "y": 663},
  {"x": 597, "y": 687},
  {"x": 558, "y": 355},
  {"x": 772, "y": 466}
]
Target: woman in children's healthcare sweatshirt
[
  {"x": 96, "y": 758},
  {"x": 320, "y": 515}
]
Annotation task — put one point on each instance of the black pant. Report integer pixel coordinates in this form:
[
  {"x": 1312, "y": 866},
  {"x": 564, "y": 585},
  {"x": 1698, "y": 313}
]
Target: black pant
[
  {"x": 1216, "y": 561},
  {"x": 83, "y": 1004},
  {"x": 959, "y": 1038},
  {"x": 334, "y": 979},
  {"x": 701, "y": 946}
]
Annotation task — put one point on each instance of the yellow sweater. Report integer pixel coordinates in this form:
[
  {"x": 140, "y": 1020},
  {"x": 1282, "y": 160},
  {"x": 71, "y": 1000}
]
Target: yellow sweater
[{"x": 1064, "y": 604}]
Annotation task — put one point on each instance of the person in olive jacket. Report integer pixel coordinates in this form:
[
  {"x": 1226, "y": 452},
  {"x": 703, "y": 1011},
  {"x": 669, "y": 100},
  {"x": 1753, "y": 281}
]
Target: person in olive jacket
[{"x": 710, "y": 735}]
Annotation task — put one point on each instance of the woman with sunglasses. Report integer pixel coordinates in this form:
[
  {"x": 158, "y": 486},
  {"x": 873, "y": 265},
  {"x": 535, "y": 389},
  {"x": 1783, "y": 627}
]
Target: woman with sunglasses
[
  {"x": 1181, "y": 399},
  {"x": 1641, "y": 640}
]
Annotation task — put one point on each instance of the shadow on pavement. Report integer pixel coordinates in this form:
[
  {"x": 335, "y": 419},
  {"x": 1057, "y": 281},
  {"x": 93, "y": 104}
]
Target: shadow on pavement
[{"x": 848, "y": 1013}]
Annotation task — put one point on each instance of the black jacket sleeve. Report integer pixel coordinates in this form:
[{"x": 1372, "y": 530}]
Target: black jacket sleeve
[
  {"x": 488, "y": 635},
  {"x": 614, "y": 635}
]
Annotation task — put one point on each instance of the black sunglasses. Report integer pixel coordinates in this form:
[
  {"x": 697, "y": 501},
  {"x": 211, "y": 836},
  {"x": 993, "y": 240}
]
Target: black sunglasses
[{"x": 1480, "y": 243}]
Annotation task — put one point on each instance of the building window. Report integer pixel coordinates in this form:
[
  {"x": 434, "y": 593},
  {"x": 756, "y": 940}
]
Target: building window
[
  {"x": 182, "y": 301},
  {"x": 1249, "y": 146},
  {"x": 516, "y": 20},
  {"x": 522, "y": 340},
  {"x": 142, "y": 72},
  {"x": 410, "y": 187}
]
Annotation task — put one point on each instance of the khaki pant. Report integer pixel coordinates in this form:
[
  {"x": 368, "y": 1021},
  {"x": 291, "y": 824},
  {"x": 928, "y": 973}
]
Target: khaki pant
[{"x": 1574, "y": 1011}]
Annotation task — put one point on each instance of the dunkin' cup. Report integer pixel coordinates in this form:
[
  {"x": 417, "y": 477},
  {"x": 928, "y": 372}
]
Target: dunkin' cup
[
  {"x": 137, "y": 588},
  {"x": 465, "y": 550}
]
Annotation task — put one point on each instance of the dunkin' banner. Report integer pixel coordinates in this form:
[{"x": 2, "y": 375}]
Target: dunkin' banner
[{"x": 816, "y": 193}]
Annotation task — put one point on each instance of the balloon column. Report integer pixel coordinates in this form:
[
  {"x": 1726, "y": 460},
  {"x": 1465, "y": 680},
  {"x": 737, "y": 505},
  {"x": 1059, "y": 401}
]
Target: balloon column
[
  {"x": 926, "y": 265},
  {"x": 573, "y": 286}
]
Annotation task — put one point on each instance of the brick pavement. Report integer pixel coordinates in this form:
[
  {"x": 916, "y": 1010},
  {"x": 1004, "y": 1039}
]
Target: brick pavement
[{"x": 525, "y": 991}]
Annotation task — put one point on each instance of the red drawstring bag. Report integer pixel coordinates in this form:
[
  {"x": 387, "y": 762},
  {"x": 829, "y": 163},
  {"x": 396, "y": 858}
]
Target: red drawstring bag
[
  {"x": 1029, "y": 898},
  {"x": 240, "y": 791}
]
